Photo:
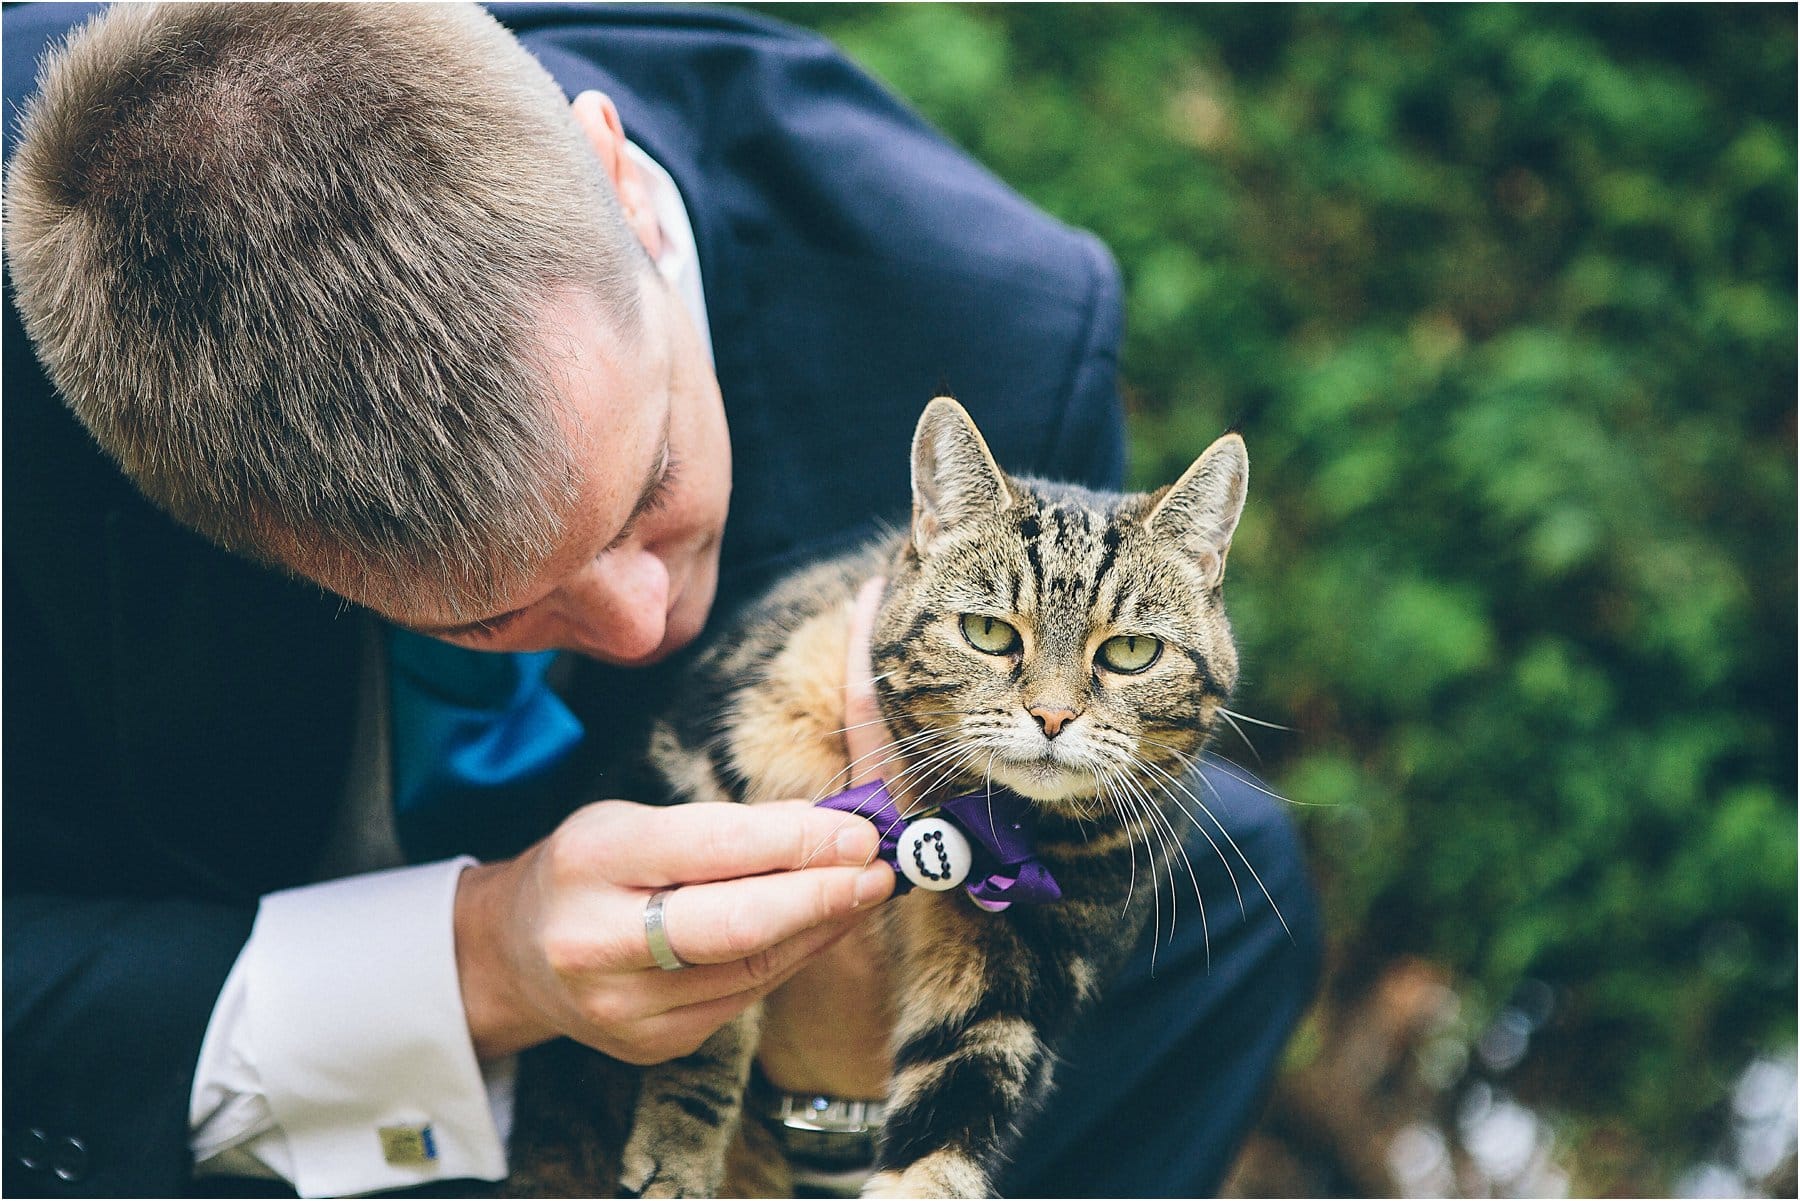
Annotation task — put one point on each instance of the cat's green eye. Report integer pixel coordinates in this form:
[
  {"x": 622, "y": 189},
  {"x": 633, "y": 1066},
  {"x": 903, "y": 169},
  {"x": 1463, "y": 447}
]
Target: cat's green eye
[
  {"x": 989, "y": 635},
  {"x": 1128, "y": 653}
]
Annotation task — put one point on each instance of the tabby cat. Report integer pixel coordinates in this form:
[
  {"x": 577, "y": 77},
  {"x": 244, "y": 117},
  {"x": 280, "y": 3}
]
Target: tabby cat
[{"x": 1066, "y": 644}]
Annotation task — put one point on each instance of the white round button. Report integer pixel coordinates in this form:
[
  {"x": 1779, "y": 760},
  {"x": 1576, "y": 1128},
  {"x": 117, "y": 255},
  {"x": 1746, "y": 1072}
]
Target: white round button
[{"x": 934, "y": 854}]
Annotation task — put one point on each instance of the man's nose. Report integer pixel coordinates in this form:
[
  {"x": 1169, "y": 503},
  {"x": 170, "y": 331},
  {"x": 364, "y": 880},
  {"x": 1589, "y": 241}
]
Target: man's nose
[{"x": 619, "y": 606}]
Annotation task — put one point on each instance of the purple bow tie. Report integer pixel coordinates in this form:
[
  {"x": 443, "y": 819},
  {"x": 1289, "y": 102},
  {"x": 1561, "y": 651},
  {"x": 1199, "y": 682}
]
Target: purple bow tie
[{"x": 1000, "y": 826}]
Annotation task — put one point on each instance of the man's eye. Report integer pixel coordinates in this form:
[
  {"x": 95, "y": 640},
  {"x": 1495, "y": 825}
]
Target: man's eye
[
  {"x": 665, "y": 487},
  {"x": 657, "y": 497},
  {"x": 989, "y": 635},
  {"x": 491, "y": 627}
]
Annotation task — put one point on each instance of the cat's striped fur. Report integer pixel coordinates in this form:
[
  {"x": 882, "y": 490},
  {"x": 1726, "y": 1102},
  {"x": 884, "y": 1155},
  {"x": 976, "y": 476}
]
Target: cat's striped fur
[{"x": 982, "y": 996}]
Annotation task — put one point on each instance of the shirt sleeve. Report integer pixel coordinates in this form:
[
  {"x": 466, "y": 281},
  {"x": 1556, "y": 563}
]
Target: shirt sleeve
[{"x": 338, "y": 1055}]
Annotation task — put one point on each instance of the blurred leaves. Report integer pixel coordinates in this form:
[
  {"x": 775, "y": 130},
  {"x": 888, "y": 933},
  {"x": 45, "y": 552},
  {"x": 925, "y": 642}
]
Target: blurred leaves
[{"x": 1503, "y": 300}]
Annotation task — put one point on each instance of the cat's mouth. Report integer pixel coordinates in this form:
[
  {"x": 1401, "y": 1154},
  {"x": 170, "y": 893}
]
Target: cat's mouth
[{"x": 1044, "y": 780}]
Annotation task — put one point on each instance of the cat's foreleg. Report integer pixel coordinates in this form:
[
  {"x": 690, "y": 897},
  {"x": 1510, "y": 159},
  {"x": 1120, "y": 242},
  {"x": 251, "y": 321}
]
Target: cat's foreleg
[
  {"x": 984, "y": 996},
  {"x": 688, "y": 1111}
]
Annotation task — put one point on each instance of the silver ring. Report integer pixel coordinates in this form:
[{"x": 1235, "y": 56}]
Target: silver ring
[{"x": 658, "y": 934}]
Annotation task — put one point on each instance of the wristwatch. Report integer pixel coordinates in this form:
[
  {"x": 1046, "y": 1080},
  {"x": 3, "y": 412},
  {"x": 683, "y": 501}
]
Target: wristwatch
[{"x": 828, "y": 1141}]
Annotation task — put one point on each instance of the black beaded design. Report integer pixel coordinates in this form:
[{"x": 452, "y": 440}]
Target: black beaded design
[{"x": 936, "y": 839}]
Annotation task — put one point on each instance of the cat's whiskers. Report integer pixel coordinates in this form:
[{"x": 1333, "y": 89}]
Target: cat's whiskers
[
  {"x": 894, "y": 749},
  {"x": 908, "y": 793},
  {"x": 918, "y": 791},
  {"x": 1143, "y": 829},
  {"x": 1119, "y": 809},
  {"x": 916, "y": 739},
  {"x": 1232, "y": 717},
  {"x": 862, "y": 725},
  {"x": 946, "y": 772},
  {"x": 1188, "y": 762},
  {"x": 888, "y": 749},
  {"x": 1204, "y": 833},
  {"x": 849, "y": 769},
  {"x": 1225, "y": 765},
  {"x": 1230, "y": 721},
  {"x": 936, "y": 755},
  {"x": 1132, "y": 822},
  {"x": 1232, "y": 842},
  {"x": 917, "y": 763},
  {"x": 1181, "y": 849},
  {"x": 987, "y": 778},
  {"x": 1110, "y": 796},
  {"x": 848, "y": 684},
  {"x": 1224, "y": 860},
  {"x": 1255, "y": 721},
  {"x": 971, "y": 731},
  {"x": 1146, "y": 807}
]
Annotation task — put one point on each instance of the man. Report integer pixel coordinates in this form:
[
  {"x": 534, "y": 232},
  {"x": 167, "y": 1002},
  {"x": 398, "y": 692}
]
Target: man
[{"x": 349, "y": 293}]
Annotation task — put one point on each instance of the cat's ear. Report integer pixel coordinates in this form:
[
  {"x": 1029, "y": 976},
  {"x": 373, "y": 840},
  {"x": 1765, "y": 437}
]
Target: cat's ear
[
  {"x": 954, "y": 475},
  {"x": 1201, "y": 509}
]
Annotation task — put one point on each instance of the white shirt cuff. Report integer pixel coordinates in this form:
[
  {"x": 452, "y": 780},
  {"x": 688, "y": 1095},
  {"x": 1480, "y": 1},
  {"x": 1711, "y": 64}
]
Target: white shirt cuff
[{"x": 351, "y": 1016}]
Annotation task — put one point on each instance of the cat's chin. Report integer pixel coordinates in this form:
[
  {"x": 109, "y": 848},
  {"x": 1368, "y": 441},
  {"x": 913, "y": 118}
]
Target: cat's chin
[{"x": 1046, "y": 782}]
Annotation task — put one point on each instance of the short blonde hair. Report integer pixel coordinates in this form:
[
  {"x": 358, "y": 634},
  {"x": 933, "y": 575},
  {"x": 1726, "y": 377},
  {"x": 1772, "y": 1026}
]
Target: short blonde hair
[{"x": 287, "y": 263}]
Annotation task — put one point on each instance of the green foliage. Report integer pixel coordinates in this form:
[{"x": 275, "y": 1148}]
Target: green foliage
[{"x": 1502, "y": 298}]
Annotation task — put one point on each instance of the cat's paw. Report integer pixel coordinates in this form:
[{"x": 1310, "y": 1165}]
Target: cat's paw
[
  {"x": 636, "y": 1174},
  {"x": 643, "y": 1176},
  {"x": 943, "y": 1173}
]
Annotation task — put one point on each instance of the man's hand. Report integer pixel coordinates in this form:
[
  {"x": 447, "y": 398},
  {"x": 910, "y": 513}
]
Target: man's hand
[
  {"x": 552, "y": 942},
  {"x": 827, "y": 1030}
]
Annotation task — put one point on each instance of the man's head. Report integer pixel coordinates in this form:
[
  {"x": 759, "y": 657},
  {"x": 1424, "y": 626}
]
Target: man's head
[{"x": 346, "y": 289}]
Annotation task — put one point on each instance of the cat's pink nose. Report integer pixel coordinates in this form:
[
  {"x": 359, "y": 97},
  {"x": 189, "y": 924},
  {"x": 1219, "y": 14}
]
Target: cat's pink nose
[{"x": 1052, "y": 721}]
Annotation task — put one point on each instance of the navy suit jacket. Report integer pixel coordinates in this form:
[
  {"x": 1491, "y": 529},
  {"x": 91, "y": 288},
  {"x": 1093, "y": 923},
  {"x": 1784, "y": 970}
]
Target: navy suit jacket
[{"x": 177, "y": 721}]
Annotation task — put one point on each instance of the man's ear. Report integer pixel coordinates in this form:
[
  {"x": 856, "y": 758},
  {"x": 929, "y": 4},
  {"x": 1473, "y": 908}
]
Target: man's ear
[{"x": 598, "y": 118}]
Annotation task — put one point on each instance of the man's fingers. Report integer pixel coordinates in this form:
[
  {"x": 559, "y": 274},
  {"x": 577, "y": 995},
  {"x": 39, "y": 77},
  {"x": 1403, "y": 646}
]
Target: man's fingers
[
  {"x": 755, "y": 974},
  {"x": 681, "y": 1029},
  {"x": 740, "y": 919},
  {"x": 645, "y": 847},
  {"x": 865, "y": 735}
]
